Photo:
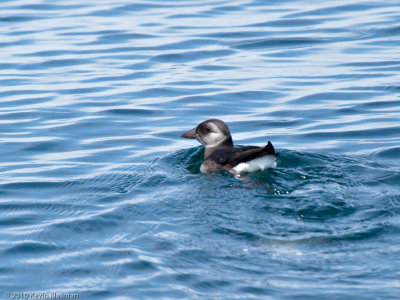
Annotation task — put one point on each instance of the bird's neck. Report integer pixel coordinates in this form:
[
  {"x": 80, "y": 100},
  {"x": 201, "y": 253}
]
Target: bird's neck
[{"x": 226, "y": 144}]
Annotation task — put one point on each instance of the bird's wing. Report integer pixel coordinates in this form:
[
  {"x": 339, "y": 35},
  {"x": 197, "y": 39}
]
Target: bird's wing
[
  {"x": 228, "y": 158},
  {"x": 249, "y": 153}
]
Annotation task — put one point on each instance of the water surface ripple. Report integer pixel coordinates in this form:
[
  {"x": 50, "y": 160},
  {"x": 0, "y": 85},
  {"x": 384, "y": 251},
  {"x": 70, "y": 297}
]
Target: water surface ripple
[{"x": 101, "y": 198}]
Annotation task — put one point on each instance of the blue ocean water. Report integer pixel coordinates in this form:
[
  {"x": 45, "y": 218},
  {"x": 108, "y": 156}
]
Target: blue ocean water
[{"x": 101, "y": 198}]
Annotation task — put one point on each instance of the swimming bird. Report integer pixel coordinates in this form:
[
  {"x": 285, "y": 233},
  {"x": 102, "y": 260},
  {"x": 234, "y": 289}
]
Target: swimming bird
[{"x": 220, "y": 154}]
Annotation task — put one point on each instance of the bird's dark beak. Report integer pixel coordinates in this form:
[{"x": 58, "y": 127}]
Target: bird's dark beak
[{"x": 190, "y": 134}]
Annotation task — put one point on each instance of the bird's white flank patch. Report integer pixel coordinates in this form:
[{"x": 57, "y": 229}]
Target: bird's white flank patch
[{"x": 261, "y": 163}]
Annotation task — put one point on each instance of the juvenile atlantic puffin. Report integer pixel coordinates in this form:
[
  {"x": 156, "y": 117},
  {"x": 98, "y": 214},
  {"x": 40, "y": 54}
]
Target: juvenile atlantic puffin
[{"x": 220, "y": 154}]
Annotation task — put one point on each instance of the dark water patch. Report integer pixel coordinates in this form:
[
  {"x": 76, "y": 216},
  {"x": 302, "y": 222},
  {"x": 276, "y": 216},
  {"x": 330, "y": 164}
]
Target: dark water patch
[
  {"x": 76, "y": 272},
  {"x": 29, "y": 205},
  {"x": 389, "y": 153},
  {"x": 228, "y": 8},
  {"x": 266, "y": 123},
  {"x": 49, "y": 146},
  {"x": 228, "y": 98},
  {"x": 237, "y": 234},
  {"x": 47, "y": 6},
  {"x": 288, "y": 23},
  {"x": 277, "y": 42},
  {"x": 236, "y": 34},
  {"x": 188, "y": 256},
  {"x": 24, "y": 219},
  {"x": 19, "y": 19},
  {"x": 325, "y": 211},
  {"x": 139, "y": 112},
  {"x": 111, "y": 254},
  {"x": 388, "y": 32},
  {"x": 214, "y": 68},
  {"x": 208, "y": 285},
  {"x": 139, "y": 266},
  {"x": 88, "y": 33},
  {"x": 337, "y": 96},
  {"x": 343, "y": 77},
  {"x": 370, "y": 63},
  {"x": 140, "y": 66},
  {"x": 14, "y": 81},
  {"x": 379, "y": 105},
  {"x": 388, "y": 179},
  {"x": 49, "y": 53},
  {"x": 89, "y": 225},
  {"x": 256, "y": 290},
  {"x": 120, "y": 38},
  {"x": 252, "y": 95},
  {"x": 130, "y": 76},
  {"x": 190, "y": 83},
  {"x": 112, "y": 50},
  {"x": 290, "y": 53},
  {"x": 163, "y": 92},
  {"x": 186, "y": 44},
  {"x": 152, "y": 24},
  {"x": 366, "y": 133},
  {"x": 383, "y": 44},
  {"x": 21, "y": 42},
  {"x": 362, "y": 234},
  {"x": 383, "y": 88},
  {"x": 107, "y": 13},
  {"x": 55, "y": 63},
  {"x": 135, "y": 7},
  {"x": 191, "y": 56},
  {"x": 88, "y": 90},
  {"x": 184, "y": 16},
  {"x": 330, "y": 10},
  {"x": 6, "y": 105},
  {"x": 30, "y": 247},
  {"x": 30, "y": 185},
  {"x": 6, "y": 66},
  {"x": 383, "y": 69}
]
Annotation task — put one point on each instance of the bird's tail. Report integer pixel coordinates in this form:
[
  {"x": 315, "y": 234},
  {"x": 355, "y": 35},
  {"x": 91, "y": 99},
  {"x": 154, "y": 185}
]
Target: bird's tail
[{"x": 270, "y": 149}]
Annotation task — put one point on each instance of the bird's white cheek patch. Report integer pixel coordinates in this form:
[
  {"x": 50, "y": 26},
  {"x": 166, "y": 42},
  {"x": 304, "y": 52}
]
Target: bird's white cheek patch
[{"x": 213, "y": 139}]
